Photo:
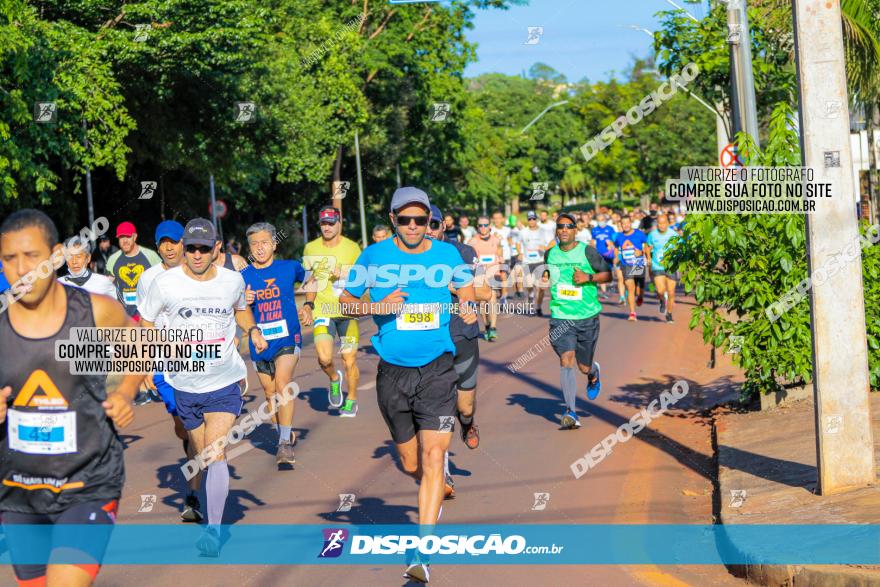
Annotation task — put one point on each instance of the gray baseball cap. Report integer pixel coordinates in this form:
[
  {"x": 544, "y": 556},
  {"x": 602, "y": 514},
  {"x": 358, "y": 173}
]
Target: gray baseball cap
[
  {"x": 409, "y": 195},
  {"x": 199, "y": 231}
]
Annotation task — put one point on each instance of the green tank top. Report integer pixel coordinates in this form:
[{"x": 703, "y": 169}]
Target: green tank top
[{"x": 567, "y": 300}]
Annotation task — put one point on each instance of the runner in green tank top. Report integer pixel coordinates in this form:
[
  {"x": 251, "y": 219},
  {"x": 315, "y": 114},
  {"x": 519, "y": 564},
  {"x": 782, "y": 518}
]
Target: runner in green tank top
[{"x": 575, "y": 269}]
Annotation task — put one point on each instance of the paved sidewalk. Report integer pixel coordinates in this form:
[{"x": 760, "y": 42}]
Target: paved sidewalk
[{"x": 771, "y": 456}]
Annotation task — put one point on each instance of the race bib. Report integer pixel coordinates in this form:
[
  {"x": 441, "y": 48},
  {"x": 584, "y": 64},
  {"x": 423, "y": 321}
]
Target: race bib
[
  {"x": 274, "y": 330},
  {"x": 487, "y": 259},
  {"x": 42, "y": 433},
  {"x": 533, "y": 255},
  {"x": 419, "y": 317},
  {"x": 130, "y": 298},
  {"x": 322, "y": 322},
  {"x": 338, "y": 287},
  {"x": 565, "y": 291}
]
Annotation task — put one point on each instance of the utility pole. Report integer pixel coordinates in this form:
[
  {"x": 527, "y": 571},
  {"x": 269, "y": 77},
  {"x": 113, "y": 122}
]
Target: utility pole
[
  {"x": 745, "y": 110},
  {"x": 357, "y": 155},
  {"x": 89, "y": 199},
  {"x": 844, "y": 441}
]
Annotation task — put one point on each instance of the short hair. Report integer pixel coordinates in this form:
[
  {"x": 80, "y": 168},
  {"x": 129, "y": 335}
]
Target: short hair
[
  {"x": 261, "y": 227},
  {"x": 380, "y": 228},
  {"x": 80, "y": 243},
  {"x": 482, "y": 217},
  {"x": 27, "y": 218}
]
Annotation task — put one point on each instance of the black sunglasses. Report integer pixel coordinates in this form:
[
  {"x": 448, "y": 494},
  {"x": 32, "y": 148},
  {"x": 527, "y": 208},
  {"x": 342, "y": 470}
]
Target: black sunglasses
[
  {"x": 203, "y": 249},
  {"x": 405, "y": 220},
  {"x": 482, "y": 225},
  {"x": 568, "y": 225},
  {"x": 435, "y": 224}
]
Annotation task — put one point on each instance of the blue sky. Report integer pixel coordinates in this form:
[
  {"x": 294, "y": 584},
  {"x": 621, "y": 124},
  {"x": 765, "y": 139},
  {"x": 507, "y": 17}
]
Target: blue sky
[{"x": 582, "y": 38}]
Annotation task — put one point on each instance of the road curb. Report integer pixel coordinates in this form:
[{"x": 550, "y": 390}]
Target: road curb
[{"x": 777, "y": 575}]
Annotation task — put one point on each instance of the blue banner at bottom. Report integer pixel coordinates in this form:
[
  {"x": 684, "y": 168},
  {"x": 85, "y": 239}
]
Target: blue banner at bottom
[{"x": 524, "y": 544}]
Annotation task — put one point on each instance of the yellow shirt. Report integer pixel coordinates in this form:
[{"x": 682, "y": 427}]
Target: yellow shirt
[{"x": 321, "y": 260}]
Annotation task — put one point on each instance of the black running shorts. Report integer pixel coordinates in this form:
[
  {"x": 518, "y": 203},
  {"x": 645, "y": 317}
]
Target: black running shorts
[
  {"x": 467, "y": 360},
  {"x": 579, "y": 336}
]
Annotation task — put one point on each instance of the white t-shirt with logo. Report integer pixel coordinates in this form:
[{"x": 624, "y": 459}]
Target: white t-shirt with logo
[
  {"x": 208, "y": 306},
  {"x": 143, "y": 287},
  {"x": 503, "y": 234},
  {"x": 533, "y": 240}
]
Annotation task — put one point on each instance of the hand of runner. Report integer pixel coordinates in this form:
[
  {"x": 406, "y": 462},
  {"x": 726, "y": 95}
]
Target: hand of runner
[
  {"x": 392, "y": 303},
  {"x": 148, "y": 382},
  {"x": 580, "y": 277},
  {"x": 468, "y": 312},
  {"x": 118, "y": 409},
  {"x": 4, "y": 395},
  {"x": 305, "y": 315},
  {"x": 260, "y": 343},
  {"x": 249, "y": 295}
]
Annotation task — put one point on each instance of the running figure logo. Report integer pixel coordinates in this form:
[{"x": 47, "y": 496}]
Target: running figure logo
[
  {"x": 541, "y": 501},
  {"x": 340, "y": 189},
  {"x": 734, "y": 31},
  {"x": 539, "y": 189},
  {"x": 441, "y": 112},
  {"x": 535, "y": 33},
  {"x": 346, "y": 500},
  {"x": 334, "y": 539},
  {"x": 147, "y": 503},
  {"x": 245, "y": 112},
  {"x": 446, "y": 423},
  {"x": 148, "y": 188},
  {"x": 737, "y": 497},
  {"x": 45, "y": 112}
]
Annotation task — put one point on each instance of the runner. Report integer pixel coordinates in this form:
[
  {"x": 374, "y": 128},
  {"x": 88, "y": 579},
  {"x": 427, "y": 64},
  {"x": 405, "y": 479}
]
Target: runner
[
  {"x": 466, "y": 339},
  {"x": 128, "y": 264},
  {"x": 452, "y": 232},
  {"x": 548, "y": 226},
  {"x": 229, "y": 260},
  {"x": 575, "y": 269},
  {"x": 270, "y": 293},
  {"x": 380, "y": 233},
  {"x": 630, "y": 244},
  {"x": 415, "y": 384},
  {"x": 600, "y": 238},
  {"x": 169, "y": 235},
  {"x": 516, "y": 270},
  {"x": 329, "y": 257},
  {"x": 102, "y": 255},
  {"x": 488, "y": 248},
  {"x": 502, "y": 231},
  {"x": 658, "y": 243},
  {"x": 198, "y": 295},
  {"x": 61, "y": 459},
  {"x": 534, "y": 245},
  {"x": 78, "y": 254},
  {"x": 467, "y": 231}
]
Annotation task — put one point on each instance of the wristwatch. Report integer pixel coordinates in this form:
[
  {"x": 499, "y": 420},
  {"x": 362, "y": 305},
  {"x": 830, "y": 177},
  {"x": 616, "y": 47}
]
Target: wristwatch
[{"x": 252, "y": 328}]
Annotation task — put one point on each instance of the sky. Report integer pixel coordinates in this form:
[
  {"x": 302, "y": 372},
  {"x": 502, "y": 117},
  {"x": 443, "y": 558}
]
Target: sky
[{"x": 582, "y": 38}]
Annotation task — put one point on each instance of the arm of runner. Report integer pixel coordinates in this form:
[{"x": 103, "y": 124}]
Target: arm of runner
[
  {"x": 4, "y": 398},
  {"x": 110, "y": 314},
  {"x": 249, "y": 295},
  {"x": 245, "y": 320},
  {"x": 599, "y": 265},
  {"x": 238, "y": 262},
  {"x": 305, "y": 312}
]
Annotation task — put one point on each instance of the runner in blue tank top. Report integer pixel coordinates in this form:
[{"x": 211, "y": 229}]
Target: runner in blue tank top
[{"x": 270, "y": 295}]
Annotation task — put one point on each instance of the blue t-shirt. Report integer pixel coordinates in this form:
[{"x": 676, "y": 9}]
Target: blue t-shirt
[
  {"x": 628, "y": 245},
  {"x": 659, "y": 243},
  {"x": 274, "y": 307},
  {"x": 4, "y": 283},
  {"x": 600, "y": 234},
  {"x": 420, "y": 333}
]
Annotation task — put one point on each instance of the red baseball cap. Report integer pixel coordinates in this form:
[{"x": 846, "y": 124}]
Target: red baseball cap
[
  {"x": 328, "y": 214},
  {"x": 125, "y": 229}
]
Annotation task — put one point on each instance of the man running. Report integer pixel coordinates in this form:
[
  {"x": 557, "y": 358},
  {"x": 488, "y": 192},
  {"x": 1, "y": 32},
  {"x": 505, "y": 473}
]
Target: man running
[
  {"x": 61, "y": 459},
  {"x": 502, "y": 231},
  {"x": 328, "y": 257},
  {"x": 600, "y": 237},
  {"x": 630, "y": 244},
  {"x": 534, "y": 244},
  {"x": 198, "y": 295},
  {"x": 169, "y": 243},
  {"x": 128, "y": 264},
  {"x": 574, "y": 269},
  {"x": 658, "y": 243},
  {"x": 489, "y": 253},
  {"x": 380, "y": 233},
  {"x": 78, "y": 254},
  {"x": 229, "y": 260},
  {"x": 415, "y": 384},
  {"x": 270, "y": 294}
]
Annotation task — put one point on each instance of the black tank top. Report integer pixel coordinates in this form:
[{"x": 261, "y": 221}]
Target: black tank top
[
  {"x": 57, "y": 446},
  {"x": 227, "y": 262}
]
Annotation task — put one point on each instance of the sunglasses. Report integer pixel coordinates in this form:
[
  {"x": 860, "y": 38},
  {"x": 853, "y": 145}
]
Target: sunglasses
[
  {"x": 405, "y": 220},
  {"x": 435, "y": 224},
  {"x": 481, "y": 225},
  {"x": 203, "y": 249},
  {"x": 565, "y": 225}
]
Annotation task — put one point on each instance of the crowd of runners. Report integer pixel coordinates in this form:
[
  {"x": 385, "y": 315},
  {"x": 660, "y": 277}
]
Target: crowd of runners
[{"x": 427, "y": 281}]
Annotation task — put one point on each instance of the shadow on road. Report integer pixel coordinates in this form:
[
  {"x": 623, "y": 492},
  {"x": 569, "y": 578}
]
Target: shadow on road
[{"x": 370, "y": 509}]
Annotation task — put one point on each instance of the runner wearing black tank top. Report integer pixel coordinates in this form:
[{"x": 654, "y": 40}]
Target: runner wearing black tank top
[{"x": 61, "y": 460}]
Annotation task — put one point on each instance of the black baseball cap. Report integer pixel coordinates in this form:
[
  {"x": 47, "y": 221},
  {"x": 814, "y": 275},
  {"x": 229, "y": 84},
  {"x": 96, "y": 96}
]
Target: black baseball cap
[{"x": 199, "y": 231}]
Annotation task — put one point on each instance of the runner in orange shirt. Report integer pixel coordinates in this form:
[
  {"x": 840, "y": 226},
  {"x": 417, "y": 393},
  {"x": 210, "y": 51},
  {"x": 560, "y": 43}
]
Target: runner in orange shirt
[{"x": 488, "y": 248}]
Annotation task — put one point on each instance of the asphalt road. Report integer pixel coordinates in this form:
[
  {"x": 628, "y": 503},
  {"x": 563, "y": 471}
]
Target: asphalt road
[{"x": 663, "y": 475}]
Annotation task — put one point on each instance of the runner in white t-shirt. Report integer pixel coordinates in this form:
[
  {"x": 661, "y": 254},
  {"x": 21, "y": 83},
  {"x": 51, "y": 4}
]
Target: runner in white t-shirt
[
  {"x": 199, "y": 296},
  {"x": 534, "y": 243},
  {"x": 499, "y": 229},
  {"x": 548, "y": 225},
  {"x": 78, "y": 254}
]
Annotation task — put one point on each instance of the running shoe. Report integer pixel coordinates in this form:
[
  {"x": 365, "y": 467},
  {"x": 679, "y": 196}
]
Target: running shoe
[
  {"x": 449, "y": 489},
  {"x": 491, "y": 334},
  {"x": 142, "y": 398},
  {"x": 154, "y": 395},
  {"x": 594, "y": 386},
  {"x": 622, "y": 300},
  {"x": 519, "y": 295},
  {"x": 470, "y": 435},
  {"x": 632, "y": 317},
  {"x": 640, "y": 299},
  {"x": 663, "y": 305},
  {"x": 349, "y": 410},
  {"x": 285, "y": 453},
  {"x": 191, "y": 510},
  {"x": 417, "y": 572},
  {"x": 669, "y": 319},
  {"x": 334, "y": 396},
  {"x": 209, "y": 542},
  {"x": 570, "y": 420}
]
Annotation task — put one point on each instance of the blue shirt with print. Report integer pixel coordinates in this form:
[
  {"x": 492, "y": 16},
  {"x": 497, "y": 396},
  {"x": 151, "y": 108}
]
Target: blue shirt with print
[
  {"x": 600, "y": 234},
  {"x": 274, "y": 306},
  {"x": 425, "y": 277},
  {"x": 628, "y": 245}
]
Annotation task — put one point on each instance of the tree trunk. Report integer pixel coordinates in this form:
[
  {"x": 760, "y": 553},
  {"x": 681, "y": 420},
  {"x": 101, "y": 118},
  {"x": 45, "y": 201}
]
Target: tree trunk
[{"x": 337, "y": 176}]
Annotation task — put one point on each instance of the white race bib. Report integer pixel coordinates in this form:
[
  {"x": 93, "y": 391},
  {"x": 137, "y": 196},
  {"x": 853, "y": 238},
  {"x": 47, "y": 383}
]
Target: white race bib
[
  {"x": 487, "y": 259},
  {"x": 565, "y": 291},
  {"x": 533, "y": 255},
  {"x": 419, "y": 317},
  {"x": 274, "y": 330},
  {"x": 321, "y": 322},
  {"x": 42, "y": 433},
  {"x": 130, "y": 298}
]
